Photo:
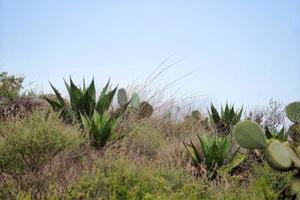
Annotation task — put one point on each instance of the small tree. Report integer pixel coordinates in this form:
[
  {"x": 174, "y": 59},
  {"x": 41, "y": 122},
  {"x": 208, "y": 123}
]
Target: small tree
[{"x": 10, "y": 85}]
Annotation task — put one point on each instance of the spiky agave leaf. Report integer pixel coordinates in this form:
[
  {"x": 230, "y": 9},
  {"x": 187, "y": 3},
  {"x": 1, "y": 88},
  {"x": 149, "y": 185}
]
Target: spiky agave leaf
[
  {"x": 273, "y": 134},
  {"x": 215, "y": 150},
  {"x": 100, "y": 128},
  {"x": 105, "y": 101},
  {"x": 74, "y": 93},
  {"x": 58, "y": 95},
  {"x": 214, "y": 115}
]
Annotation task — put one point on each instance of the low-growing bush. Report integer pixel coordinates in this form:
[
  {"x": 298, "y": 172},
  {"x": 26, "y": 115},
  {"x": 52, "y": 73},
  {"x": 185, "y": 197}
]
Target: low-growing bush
[
  {"x": 10, "y": 85},
  {"x": 28, "y": 145}
]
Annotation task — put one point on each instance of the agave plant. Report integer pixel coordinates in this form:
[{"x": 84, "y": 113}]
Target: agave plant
[
  {"x": 213, "y": 150},
  {"x": 82, "y": 101},
  {"x": 100, "y": 128},
  {"x": 281, "y": 156},
  {"x": 279, "y": 135},
  {"x": 224, "y": 122}
]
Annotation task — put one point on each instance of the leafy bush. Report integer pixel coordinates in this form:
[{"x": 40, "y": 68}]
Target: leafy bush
[
  {"x": 120, "y": 179},
  {"x": 27, "y": 145},
  {"x": 10, "y": 85}
]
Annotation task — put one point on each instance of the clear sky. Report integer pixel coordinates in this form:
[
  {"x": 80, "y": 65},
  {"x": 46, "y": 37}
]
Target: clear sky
[{"x": 242, "y": 51}]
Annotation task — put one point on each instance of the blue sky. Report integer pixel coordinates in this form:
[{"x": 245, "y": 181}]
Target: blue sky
[{"x": 242, "y": 51}]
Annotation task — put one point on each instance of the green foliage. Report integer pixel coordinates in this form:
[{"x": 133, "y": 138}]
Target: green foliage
[
  {"x": 10, "y": 85},
  {"x": 281, "y": 156},
  {"x": 267, "y": 182},
  {"x": 249, "y": 135},
  {"x": 215, "y": 150},
  {"x": 224, "y": 121},
  {"x": 273, "y": 134},
  {"x": 82, "y": 101},
  {"x": 100, "y": 128},
  {"x": 293, "y": 112},
  {"x": 29, "y": 144},
  {"x": 120, "y": 179}
]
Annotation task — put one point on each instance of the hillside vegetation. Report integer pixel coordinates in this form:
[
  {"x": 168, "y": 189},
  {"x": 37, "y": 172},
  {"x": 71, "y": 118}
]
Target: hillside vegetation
[{"x": 118, "y": 144}]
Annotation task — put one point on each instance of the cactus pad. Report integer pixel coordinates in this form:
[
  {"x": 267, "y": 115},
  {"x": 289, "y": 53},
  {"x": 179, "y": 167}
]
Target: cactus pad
[
  {"x": 295, "y": 184},
  {"x": 122, "y": 97},
  {"x": 293, "y": 112},
  {"x": 145, "y": 110},
  {"x": 294, "y": 133},
  {"x": 278, "y": 156},
  {"x": 249, "y": 135},
  {"x": 135, "y": 100}
]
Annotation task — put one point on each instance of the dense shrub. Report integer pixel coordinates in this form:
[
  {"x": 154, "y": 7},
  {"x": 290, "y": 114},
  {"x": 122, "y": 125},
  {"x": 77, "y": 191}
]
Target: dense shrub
[
  {"x": 29, "y": 145},
  {"x": 10, "y": 85}
]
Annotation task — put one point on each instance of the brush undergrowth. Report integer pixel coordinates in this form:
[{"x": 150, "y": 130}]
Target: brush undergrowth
[{"x": 42, "y": 157}]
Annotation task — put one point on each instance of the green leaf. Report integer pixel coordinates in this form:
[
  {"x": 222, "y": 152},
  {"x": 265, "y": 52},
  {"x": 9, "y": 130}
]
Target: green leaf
[{"x": 58, "y": 95}]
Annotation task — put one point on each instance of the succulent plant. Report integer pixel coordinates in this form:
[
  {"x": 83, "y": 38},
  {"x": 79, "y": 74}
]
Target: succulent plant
[
  {"x": 135, "y": 101},
  {"x": 279, "y": 135},
  {"x": 224, "y": 121},
  {"x": 145, "y": 110},
  {"x": 293, "y": 113},
  {"x": 141, "y": 109},
  {"x": 100, "y": 128},
  {"x": 214, "y": 150},
  {"x": 122, "y": 97},
  {"x": 82, "y": 101},
  {"x": 281, "y": 156}
]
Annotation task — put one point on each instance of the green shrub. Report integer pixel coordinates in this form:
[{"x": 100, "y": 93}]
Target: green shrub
[
  {"x": 10, "y": 85},
  {"x": 28, "y": 144},
  {"x": 120, "y": 179}
]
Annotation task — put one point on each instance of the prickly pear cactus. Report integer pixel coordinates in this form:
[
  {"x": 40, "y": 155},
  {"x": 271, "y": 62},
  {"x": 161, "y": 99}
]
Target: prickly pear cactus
[
  {"x": 122, "y": 97},
  {"x": 294, "y": 133},
  {"x": 145, "y": 110},
  {"x": 293, "y": 112},
  {"x": 135, "y": 101},
  {"x": 250, "y": 135},
  {"x": 281, "y": 156}
]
